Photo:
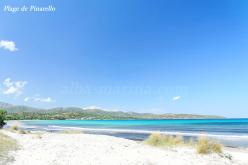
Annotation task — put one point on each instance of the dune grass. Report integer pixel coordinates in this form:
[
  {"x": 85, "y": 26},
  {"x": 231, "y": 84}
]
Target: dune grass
[
  {"x": 159, "y": 140},
  {"x": 22, "y": 132},
  {"x": 205, "y": 146},
  {"x": 70, "y": 131},
  {"x": 202, "y": 144},
  {"x": 14, "y": 128},
  {"x": 6, "y": 145}
]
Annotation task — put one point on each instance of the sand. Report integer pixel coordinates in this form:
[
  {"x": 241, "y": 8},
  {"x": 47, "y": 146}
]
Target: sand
[{"x": 87, "y": 149}]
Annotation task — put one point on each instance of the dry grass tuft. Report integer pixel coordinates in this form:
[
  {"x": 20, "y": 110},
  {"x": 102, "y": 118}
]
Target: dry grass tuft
[
  {"x": 70, "y": 132},
  {"x": 216, "y": 147},
  {"x": 156, "y": 139},
  {"x": 205, "y": 146},
  {"x": 14, "y": 128},
  {"x": 202, "y": 146},
  {"x": 22, "y": 132}
]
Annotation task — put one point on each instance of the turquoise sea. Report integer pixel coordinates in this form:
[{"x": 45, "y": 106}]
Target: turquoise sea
[{"x": 232, "y": 132}]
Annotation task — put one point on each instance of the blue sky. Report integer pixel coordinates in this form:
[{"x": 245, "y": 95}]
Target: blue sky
[{"x": 162, "y": 56}]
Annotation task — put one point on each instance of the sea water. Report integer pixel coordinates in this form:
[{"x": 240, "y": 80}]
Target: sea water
[{"x": 232, "y": 132}]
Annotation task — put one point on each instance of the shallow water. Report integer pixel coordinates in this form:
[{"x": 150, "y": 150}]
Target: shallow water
[{"x": 232, "y": 132}]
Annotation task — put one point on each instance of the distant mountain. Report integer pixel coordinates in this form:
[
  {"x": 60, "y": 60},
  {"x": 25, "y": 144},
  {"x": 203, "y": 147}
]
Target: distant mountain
[
  {"x": 17, "y": 112},
  {"x": 18, "y": 108}
]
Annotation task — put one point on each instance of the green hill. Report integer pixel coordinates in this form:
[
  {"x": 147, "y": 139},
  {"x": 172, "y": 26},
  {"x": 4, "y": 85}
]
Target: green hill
[{"x": 17, "y": 112}]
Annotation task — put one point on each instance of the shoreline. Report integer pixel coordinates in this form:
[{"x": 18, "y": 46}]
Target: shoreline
[
  {"x": 79, "y": 148},
  {"x": 136, "y": 131},
  {"x": 229, "y": 140}
]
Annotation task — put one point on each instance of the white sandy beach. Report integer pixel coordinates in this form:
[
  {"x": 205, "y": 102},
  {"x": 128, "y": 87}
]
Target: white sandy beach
[{"x": 87, "y": 149}]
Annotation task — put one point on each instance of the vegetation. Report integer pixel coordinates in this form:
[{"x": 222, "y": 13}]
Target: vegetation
[
  {"x": 2, "y": 117},
  {"x": 6, "y": 145},
  {"x": 14, "y": 128},
  {"x": 216, "y": 147},
  {"x": 159, "y": 140},
  {"x": 70, "y": 131},
  {"x": 205, "y": 146},
  {"x": 226, "y": 155},
  {"x": 202, "y": 146},
  {"x": 29, "y": 113},
  {"x": 22, "y": 132}
]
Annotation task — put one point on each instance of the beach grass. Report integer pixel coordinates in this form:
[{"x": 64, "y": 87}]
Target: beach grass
[
  {"x": 70, "y": 131},
  {"x": 159, "y": 140},
  {"x": 205, "y": 146},
  {"x": 14, "y": 128},
  {"x": 23, "y": 132},
  {"x": 6, "y": 145},
  {"x": 202, "y": 146}
]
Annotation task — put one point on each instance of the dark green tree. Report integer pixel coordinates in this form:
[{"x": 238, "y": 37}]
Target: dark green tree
[{"x": 3, "y": 114}]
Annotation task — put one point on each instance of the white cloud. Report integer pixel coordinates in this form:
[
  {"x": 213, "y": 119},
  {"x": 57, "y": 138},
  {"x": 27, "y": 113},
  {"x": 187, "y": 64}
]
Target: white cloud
[
  {"x": 176, "y": 98},
  {"x": 92, "y": 107},
  {"x": 26, "y": 99},
  {"x": 9, "y": 45},
  {"x": 45, "y": 100},
  {"x": 39, "y": 99},
  {"x": 13, "y": 87}
]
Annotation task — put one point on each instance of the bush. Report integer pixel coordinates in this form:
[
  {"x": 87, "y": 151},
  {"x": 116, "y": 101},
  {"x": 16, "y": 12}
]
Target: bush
[
  {"x": 205, "y": 146},
  {"x": 3, "y": 114}
]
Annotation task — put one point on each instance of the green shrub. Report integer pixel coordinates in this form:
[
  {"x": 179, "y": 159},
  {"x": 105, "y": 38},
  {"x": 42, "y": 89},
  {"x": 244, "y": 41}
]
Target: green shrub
[
  {"x": 226, "y": 155},
  {"x": 3, "y": 114}
]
